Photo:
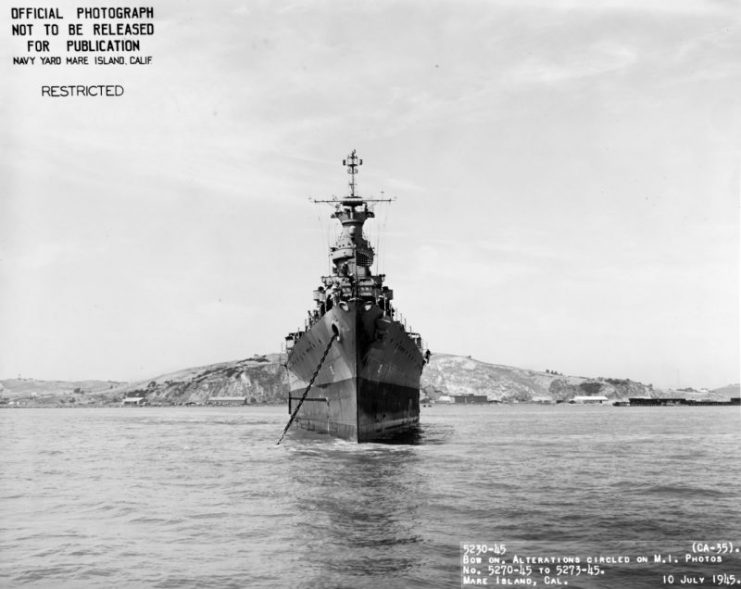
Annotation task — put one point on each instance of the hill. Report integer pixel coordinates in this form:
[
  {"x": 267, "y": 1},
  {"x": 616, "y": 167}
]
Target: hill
[
  {"x": 458, "y": 375},
  {"x": 43, "y": 393},
  {"x": 262, "y": 380}
]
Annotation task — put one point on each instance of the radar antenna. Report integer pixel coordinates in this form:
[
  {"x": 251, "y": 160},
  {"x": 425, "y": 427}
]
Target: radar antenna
[{"x": 352, "y": 162}]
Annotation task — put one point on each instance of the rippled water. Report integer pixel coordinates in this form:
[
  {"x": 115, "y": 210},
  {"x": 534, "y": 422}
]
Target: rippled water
[{"x": 202, "y": 497}]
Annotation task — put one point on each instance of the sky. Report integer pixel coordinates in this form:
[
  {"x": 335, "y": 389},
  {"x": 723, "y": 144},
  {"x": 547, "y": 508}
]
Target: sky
[{"x": 566, "y": 176}]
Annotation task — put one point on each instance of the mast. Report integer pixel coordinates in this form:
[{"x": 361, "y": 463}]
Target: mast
[{"x": 354, "y": 162}]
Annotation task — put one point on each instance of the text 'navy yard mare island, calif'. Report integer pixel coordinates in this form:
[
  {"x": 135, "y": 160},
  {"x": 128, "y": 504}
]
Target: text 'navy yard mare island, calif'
[{"x": 354, "y": 370}]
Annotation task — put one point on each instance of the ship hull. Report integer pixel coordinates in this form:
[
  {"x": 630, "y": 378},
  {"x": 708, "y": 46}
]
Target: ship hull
[{"x": 367, "y": 388}]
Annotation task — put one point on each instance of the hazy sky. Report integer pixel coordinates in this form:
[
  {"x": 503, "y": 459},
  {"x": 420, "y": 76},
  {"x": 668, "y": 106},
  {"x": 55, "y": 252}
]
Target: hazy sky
[{"x": 566, "y": 174}]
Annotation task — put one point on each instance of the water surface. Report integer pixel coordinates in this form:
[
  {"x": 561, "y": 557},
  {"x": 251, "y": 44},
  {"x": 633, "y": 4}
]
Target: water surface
[{"x": 203, "y": 497}]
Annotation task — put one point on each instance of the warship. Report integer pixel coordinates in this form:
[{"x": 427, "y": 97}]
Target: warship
[{"x": 354, "y": 369}]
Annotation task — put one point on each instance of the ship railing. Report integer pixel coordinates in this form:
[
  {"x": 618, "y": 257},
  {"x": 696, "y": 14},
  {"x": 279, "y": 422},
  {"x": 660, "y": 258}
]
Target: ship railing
[
  {"x": 292, "y": 338},
  {"x": 320, "y": 296},
  {"x": 417, "y": 339}
]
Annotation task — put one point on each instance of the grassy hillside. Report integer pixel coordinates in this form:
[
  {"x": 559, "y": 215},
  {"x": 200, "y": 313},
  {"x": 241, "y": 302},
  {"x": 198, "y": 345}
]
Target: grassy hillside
[
  {"x": 457, "y": 375},
  {"x": 42, "y": 393}
]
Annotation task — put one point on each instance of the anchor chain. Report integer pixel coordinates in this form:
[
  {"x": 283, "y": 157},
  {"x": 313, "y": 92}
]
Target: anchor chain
[{"x": 311, "y": 382}]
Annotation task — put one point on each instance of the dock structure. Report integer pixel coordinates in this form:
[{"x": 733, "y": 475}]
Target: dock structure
[
  {"x": 224, "y": 401},
  {"x": 469, "y": 399},
  {"x": 674, "y": 401},
  {"x": 589, "y": 400}
]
